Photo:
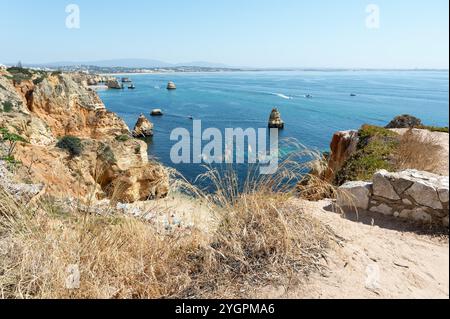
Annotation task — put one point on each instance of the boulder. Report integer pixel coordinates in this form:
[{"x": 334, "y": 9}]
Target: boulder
[
  {"x": 405, "y": 121},
  {"x": 382, "y": 209},
  {"x": 171, "y": 86},
  {"x": 355, "y": 194},
  {"x": 143, "y": 127},
  {"x": 156, "y": 112},
  {"x": 382, "y": 186},
  {"x": 275, "y": 120}
]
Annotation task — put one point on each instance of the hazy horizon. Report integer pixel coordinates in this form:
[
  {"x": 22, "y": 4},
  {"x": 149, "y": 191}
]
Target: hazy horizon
[{"x": 254, "y": 34}]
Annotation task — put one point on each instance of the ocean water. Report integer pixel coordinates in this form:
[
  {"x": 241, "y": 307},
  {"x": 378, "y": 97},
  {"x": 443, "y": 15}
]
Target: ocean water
[{"x": 245, "y": 100}]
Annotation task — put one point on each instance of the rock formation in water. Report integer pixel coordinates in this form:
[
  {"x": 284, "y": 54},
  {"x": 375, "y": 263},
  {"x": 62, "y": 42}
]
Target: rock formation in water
[
  {"x": 275, "y": 120},
  {"x": 114, "y": 84},
  {"x": 171, "y": 86},
  {"x": 45, "y": 107},
  {"x": 143, "y": 127},
  {"x": 156, "y": 112}
]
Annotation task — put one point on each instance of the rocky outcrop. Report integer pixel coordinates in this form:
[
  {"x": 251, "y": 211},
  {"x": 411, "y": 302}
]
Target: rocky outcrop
[
  {"x": 410, "y": 194},
  {"x": 171, "y": 86},
  {"x": 343, "y": 145},
  {"x": 143, "y": 127},
  {"x": 405, "y": 121},
  {"x": 108, "y": 166},
  {"x": 114, "y": 84},
  {"x": 275, "y": 120}
]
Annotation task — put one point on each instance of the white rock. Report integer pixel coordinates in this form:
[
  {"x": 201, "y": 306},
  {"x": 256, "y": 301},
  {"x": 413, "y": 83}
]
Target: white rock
[
  {"x": 424, "y": 193},
  {"x": 382, "y": 186},
  {"x": 355, "y": 194}
]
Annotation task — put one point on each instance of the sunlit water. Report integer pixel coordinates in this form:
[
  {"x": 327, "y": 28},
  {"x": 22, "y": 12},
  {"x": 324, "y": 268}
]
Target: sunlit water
[{"x": 245, "y": 99}]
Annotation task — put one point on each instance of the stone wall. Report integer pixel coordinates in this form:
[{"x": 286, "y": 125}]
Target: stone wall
[{"x": 410, "y": 194}]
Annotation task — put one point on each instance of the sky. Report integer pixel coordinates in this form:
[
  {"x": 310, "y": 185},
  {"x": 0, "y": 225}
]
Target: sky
[{"x": 252, "y": 33}]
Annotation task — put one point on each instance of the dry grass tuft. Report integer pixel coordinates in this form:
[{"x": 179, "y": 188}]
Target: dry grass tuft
[
  {"x": 259, "y": 239},
  {"x": 417, "y": 151}
]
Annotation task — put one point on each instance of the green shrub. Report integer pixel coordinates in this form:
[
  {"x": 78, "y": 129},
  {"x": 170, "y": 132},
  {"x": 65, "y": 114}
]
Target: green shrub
[
  {"x": 106, "y": 154},
  {"x": 20, "y": 74},
  {"x": 123, "y": 138},
  {"x": 71, "y": 144},
  {"x": 374, "y": 152},
  {"x": 10, "y": 138},
  {"x": 435, "y": 129},
  {"x": 7, "y": 106}
]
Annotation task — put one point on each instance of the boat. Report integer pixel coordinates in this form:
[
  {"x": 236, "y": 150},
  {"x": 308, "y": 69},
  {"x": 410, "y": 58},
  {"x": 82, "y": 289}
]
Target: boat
[
  {"x": 308, "y": 96},
  {"x": 353, "y": 94},
  {"x": 126, "y": 80},
  {"x": 132, "y": 87}
]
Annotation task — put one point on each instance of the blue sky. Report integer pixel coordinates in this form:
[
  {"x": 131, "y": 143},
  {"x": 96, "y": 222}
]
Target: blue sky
[{"x": 256, "y": 33}]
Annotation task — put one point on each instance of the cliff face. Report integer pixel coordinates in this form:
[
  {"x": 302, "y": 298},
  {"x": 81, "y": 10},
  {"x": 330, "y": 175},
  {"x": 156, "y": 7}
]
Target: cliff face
[
  {"x": 69, "y": 108},
  {"x": 343, "y": 145},
  {"x": 46, "y": 107}
]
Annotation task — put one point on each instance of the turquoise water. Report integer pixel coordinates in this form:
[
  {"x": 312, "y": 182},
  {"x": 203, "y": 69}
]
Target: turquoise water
[{"x": 245, "y": 99}]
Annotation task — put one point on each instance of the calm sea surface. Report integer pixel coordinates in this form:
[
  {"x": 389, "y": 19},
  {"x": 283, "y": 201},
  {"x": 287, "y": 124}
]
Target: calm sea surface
[{"x": 245, "y": 99}]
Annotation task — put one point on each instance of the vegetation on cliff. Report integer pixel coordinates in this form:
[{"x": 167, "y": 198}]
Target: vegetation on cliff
[{"x": 381, "y": 148}]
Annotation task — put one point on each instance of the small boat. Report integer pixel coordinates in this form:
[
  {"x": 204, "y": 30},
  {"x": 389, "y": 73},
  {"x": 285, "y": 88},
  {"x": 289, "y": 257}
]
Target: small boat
[
  {"x": 132, "y": 87},
  {"x": 308, "y": 96},
  {"x": 126, "y": 80},
  {"x": 191, "y": 117},
  {"x": 353, "y": 94}
]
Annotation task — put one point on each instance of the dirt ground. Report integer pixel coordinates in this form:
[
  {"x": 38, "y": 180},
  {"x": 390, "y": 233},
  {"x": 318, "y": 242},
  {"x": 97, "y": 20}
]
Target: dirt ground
[{"x": 376, "y": 257}]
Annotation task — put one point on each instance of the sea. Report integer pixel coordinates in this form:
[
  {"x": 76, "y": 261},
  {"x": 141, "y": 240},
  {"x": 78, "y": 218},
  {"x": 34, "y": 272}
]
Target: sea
[{"x": 313, "y": 104}]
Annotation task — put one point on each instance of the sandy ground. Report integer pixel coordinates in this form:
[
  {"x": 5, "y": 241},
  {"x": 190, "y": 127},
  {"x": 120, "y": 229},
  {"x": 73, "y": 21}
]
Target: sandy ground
[{"x": 391, "y": 259}]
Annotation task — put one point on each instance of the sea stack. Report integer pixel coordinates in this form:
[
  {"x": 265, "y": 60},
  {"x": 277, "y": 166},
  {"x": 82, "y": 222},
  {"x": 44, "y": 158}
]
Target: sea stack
[
  {"x": 275, "y": 120},
  {"x": 143, "y": 127},
  {"x": 113, "y": 84},
  {"x": 171, "y": 86}
]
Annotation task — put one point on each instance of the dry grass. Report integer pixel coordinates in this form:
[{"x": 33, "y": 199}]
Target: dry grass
[
  {"x": 260, "y": 239},
  {"x": 417, "y": 151}
]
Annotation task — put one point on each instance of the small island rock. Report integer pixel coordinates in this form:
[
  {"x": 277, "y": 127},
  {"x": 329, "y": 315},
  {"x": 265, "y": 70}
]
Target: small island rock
[
  {"x": 275, "y": 120},
  {"x": 171, "y": 86},
  {"x": 143, "y": 127}
]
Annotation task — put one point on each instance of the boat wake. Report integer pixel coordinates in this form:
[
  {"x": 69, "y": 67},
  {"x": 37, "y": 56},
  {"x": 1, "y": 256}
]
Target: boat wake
[{"x": 282, "y": 96}]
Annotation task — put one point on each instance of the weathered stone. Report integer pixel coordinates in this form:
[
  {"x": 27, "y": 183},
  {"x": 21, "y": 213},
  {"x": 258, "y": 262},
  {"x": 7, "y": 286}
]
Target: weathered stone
[
  {"x": 443, "y": 189},
  {"x": 406, "y": 213},
  {"x": 383, "y": 209},
  {"x": 407, "y": 201},
  {"x": 355, "y": 194},
  {"x": 445, "y": 221},
  {"x": 382, "y": 186},
  {"x": 421, "y": 216},
  {"x": 404, "y": 121},
  {"x": 401, "y": 185},
  {"x": 425, "y": 194}
]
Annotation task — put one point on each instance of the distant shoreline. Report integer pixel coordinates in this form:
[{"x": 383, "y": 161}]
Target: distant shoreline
[{"x": 274, "y": 70}]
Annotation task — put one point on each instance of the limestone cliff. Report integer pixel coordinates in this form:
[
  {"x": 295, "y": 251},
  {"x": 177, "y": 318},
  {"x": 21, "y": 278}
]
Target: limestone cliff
[{"x": 44, "y": 107}]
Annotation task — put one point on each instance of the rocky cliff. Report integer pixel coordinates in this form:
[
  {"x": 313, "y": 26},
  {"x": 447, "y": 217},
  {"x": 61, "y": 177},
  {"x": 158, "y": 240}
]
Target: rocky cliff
[{"x": 45, "y": 107}]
